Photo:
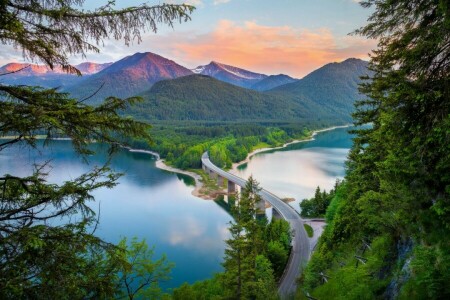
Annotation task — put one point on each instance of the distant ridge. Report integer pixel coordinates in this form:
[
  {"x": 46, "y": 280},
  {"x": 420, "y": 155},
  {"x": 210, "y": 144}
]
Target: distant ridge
[
  {"x": 129, "y": 77},
  {"x": 326, "y": 95},
  {"x": 86, "y": 68},
  {"x": 200, "y": 97},
  {"x": 230, "y": 74},
  {"x": 272, "y": 81},
  {"x": 334, "y": 85},
  {"x": 40, "y": 75}
]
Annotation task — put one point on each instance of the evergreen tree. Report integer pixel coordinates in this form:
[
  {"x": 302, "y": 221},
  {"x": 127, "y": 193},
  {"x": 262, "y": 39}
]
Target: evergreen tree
[
  {"x": 238, "y": 266},
  {"x": 265, "y": 287},
  {"x": 38, "y": 259},
  {"x": 396, "y": 204},
  {"x": 244, "y": 246}
]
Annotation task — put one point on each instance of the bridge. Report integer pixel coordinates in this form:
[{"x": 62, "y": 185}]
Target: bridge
[{"x": 300, "y": 244}]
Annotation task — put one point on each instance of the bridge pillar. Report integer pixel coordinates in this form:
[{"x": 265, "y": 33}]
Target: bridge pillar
[
  {"x": 231, "y": 187},
  {"x": 219, "y": 181},
  {"x": 204, "y": 168},
  {"x": 276, "y": 214}
]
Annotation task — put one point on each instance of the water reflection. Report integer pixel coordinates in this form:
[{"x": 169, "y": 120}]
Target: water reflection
[
  {"x": 148, "y": 203},
  {"x": 158, "y": 206},
  {"x": 296, "y": 171}
]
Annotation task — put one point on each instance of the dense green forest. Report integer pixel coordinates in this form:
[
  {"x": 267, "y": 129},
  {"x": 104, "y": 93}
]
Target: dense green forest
[
  {"x": 48, "y": 249},
  {"x": 317, "y": 206},
  {"x": 254, "y": 260},
  {"x": 388, "y": 224},
  {"x": 183, "y": 143}
]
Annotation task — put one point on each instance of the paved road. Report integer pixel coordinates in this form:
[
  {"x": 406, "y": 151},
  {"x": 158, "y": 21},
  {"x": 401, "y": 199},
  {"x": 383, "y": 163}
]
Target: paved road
[{"x": 300, "y": 244}]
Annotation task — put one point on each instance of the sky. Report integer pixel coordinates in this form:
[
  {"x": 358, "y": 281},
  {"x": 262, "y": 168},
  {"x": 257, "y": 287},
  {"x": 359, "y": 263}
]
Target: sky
[{"x": 292, "y": 37}]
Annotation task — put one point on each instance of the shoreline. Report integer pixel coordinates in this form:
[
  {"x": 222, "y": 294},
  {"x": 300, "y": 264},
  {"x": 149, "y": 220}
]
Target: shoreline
[
  {"x": 311, "y": 138},
  {"x": 160, "y": 164}
]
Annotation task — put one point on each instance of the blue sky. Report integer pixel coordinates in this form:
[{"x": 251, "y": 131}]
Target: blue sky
[{"x": 284, "y": 36}]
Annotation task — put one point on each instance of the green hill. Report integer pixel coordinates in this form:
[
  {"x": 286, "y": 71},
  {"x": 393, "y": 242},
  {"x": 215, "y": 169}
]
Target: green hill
[
  {"x": 333, "y": 87},
  {"x": 324, "y": 97},
  {"x": 199, "y": 97}
]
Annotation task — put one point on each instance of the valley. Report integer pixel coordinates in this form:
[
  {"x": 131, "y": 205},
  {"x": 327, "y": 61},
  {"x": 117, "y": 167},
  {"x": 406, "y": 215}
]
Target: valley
[{"x": 112, "y": 112}]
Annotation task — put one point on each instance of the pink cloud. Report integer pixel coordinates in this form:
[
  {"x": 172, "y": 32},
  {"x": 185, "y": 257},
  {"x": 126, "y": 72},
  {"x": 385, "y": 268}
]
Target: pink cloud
[{"x": 267, "y": 49}]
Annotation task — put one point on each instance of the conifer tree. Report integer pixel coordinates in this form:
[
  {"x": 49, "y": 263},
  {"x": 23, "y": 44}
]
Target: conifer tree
[
  {"x": 37, "y": 259},
  {"x": 244, "y": 245},
  {"x": 396, "y": 192}
]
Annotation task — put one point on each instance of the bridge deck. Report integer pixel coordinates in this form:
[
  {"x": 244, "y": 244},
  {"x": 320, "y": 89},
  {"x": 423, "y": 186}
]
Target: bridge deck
[{"x": 300, "y": 245}]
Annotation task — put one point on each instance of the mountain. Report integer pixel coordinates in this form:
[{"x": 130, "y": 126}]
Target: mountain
[
  {"x": 25, "y": 69},
  {"x": 230, "y": 74},
  {"x": 40, "y": 75},
  {"x": 334, "y": 85},
  {"x": 88, "y": 68},
  {"x": 272, "y": 81},
  {"x": 324, "y": 97},
  {"x": 200, "y": 97},
  {"x": 128, "y": 77}
]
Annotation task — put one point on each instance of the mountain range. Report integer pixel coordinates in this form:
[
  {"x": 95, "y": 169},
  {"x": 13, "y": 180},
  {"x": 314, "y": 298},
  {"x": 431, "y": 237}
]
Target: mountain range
[
  {"x": 39, "y": 75},
  {"x": 132, "y": 75},
  {"x": 230, "y": 74},
  {"x": 325, "y": 96},
  {"x": 128, "y": 77},
  {"x": 214, "y": 91}
]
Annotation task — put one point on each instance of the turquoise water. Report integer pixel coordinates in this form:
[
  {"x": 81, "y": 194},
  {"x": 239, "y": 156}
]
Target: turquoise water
[
  {"x": 297, "y": 170},
  {"x": 158, "y": 206},
  {"x": 148, "y": 203}
]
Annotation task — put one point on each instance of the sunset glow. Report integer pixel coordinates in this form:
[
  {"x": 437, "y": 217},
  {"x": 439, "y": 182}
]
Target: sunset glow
[{"x": 289, "y": 37}]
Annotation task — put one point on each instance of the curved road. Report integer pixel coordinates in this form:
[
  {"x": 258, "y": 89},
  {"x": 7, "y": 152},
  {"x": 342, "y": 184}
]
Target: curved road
[{"x": 300, "y": 244}]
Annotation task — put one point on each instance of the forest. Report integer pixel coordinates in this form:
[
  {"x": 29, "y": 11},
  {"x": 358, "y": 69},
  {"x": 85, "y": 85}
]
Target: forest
[
  {"x": 182, "y": 144},
  {"x": 317, "y": 206},
  {"x": 388, "y": 223},
  {"x": 254, "y": 260}
]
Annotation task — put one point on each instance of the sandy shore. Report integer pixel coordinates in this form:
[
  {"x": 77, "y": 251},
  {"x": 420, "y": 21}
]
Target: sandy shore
[
  {"x": 160, "y": 164},
  {"x": 235, "y": 165}
]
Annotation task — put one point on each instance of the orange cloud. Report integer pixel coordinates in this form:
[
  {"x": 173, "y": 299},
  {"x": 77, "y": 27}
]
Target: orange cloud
[
  {"x": 266, "y": 49},
  {"x": 272, "y": 49}
]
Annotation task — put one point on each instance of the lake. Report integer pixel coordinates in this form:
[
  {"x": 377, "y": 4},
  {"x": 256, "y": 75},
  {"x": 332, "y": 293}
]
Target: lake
[
  {"x": 157, "y": 205},
  {"x": 297, "y": 170},
  {"x": 148, "y": 203}
]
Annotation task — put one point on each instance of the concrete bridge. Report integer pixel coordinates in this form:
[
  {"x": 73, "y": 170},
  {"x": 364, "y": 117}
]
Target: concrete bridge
[{"x": 300, "y": 244}]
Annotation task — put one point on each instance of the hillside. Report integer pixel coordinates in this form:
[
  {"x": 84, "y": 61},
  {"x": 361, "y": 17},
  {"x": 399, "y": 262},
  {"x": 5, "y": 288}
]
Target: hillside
[
  {"x": 388, "y": 226},
  {"x": 334, "y": 85},
  {"x": 128, "y": 77},
  {"x": 272, "y": 82},
  {"x": 199, "y": 97}
]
